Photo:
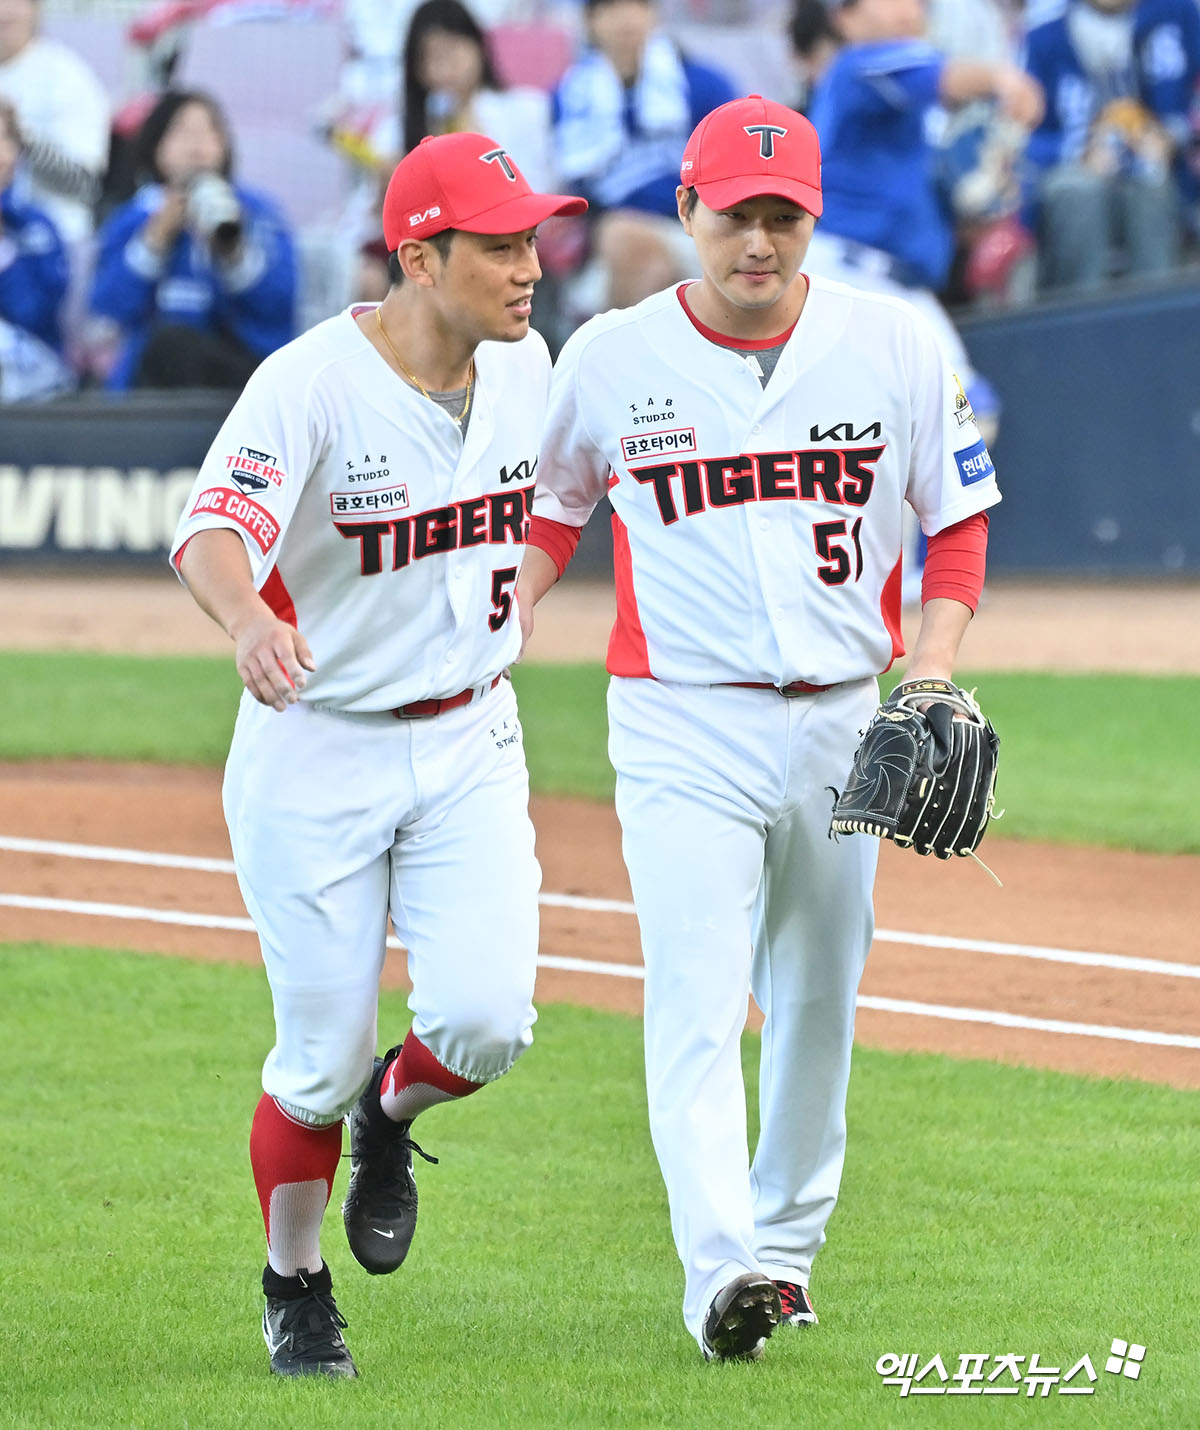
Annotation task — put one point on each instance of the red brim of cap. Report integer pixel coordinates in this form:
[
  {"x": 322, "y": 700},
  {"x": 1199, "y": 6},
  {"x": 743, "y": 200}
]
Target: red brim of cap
[
  {"x": 516, "y": 215},
  {"x": 725, "y": 193}
]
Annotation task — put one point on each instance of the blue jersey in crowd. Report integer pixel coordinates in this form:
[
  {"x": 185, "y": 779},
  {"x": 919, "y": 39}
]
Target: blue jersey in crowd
[
  {"x": 252, "y": 301},
  {"x": 33, "y": 270},
  {"x": 1163, "y": 75},
  {"x": 620, "y": 146},
  {"x": 878, "y": 168}
]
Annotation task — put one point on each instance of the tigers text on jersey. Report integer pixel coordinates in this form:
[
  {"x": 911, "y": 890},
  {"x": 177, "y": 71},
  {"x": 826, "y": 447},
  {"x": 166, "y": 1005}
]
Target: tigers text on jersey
[
  {"x": 757, "y": 531},
  {"x": 391, "y": 543}
]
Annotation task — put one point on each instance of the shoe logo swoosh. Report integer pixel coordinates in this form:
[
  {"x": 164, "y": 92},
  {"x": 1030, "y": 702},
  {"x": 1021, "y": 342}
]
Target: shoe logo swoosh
[{"x": 379, "y": 1231}]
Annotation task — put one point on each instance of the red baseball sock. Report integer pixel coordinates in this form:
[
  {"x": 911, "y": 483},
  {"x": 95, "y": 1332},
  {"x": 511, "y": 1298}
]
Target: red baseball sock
[
  {"x": 415, "y": 1080},
  {"x": 294, "y": 1166}
]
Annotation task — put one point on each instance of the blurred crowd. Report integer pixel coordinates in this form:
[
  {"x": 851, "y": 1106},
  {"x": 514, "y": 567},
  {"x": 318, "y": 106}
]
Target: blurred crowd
[{"x": 975, "y": 152}]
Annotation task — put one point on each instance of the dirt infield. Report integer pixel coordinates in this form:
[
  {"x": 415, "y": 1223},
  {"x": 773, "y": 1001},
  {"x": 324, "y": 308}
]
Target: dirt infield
[
  {"x": 1042, "y": 932},
  {"x": 1128, "y": 905}
]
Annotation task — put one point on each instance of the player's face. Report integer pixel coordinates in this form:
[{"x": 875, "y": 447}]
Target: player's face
[
  {"x": 750, "y": 253},
  {"x": 485, "y": 285}
]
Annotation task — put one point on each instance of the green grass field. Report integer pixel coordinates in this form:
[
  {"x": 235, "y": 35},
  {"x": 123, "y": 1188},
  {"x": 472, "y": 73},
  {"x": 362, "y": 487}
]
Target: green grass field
[
  {"x": 1084, "y": 759},
  {"x": 984, "y": 1209}
]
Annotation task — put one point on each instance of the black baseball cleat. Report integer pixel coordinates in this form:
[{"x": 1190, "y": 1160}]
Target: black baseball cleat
[
  {"x": 380, "y": 1210},
  {"x": 302, "y": 1325},
  {"x": 796, "y": 1304},
  {"x": 741, "y": 1317}
]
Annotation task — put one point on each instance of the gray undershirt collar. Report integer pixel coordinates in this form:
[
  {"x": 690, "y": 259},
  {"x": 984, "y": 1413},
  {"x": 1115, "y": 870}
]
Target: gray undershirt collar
[
  {"x": 761, "y": 361},
  {"x": 452, "y": 404}
]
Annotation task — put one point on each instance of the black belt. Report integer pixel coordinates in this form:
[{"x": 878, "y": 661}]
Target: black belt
[{"x": 797, "y": 687}]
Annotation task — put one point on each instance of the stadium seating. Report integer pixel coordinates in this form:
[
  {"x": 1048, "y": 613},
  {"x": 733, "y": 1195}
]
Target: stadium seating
[
  {"x": 536, "y": 55},
  {"x": 273, "y": 105}
]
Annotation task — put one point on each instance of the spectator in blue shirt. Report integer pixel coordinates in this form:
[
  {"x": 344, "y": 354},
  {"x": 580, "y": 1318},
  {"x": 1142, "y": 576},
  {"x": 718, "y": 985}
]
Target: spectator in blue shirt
[
  {"x": 1109, "y": 156},
  {"x": 886, "y": 223},
  {"x": 197, "y": 273},
  {"x": 622, "y": 114},
  {"x": 33, "y": 284}
]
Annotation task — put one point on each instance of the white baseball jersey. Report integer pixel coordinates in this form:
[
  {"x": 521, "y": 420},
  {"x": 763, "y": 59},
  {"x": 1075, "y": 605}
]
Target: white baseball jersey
[
  {"x": 757, "y": 531},
  {"x": 390, "y": 541}
]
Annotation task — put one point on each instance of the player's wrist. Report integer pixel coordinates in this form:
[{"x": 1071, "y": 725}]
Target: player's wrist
[{"x": 246, "y": 619}]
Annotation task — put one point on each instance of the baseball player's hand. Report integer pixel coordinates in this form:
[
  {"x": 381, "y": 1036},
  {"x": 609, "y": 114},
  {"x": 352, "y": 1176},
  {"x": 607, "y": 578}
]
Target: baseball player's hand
[
  {"x": 925, "y": 773},
  {"x": 271, "y": 658}
]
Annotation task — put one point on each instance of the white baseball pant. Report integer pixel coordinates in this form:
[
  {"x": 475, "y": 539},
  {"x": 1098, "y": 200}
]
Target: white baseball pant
[
  {"x": 724, "y": 802},
  {"x": 337, "y": 819}
]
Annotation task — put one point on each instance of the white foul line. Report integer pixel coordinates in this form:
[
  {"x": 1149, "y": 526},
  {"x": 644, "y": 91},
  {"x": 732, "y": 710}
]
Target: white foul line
[
  {"x": 1016, "y": 1020},
  {"x": 623, "y": 970},
  {"x": 126, "y": 911},
  {"x": 116, "y": 856},
  {"x": 1079, "y": 957}
]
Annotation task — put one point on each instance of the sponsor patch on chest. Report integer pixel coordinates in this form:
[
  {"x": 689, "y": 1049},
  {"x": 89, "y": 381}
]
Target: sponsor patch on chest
[
  {"x": 370, "y": 502},
  {"x": 668, "y": 439}
]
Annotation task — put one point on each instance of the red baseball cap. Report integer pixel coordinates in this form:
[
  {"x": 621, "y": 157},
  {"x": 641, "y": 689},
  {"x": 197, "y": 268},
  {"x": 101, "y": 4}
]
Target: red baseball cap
[
  {"x": 751, "y": 147},
  {"x": 464, "y": 181}
]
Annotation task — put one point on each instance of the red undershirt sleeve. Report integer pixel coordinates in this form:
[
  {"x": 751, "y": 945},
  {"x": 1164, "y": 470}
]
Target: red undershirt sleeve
[
  {"x": 956, "y": 560},
  {"x": 555, "y": 538}
]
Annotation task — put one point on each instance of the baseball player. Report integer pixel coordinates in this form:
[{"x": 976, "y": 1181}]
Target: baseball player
[
  {"x": 757, "y": 433},
  {"x": 357, "y": 528}
]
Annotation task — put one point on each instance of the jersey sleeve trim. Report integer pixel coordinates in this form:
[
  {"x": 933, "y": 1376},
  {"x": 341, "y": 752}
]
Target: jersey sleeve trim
[
  {"x": 176, "y": 557},
  {"x": 968, "y": 505}
]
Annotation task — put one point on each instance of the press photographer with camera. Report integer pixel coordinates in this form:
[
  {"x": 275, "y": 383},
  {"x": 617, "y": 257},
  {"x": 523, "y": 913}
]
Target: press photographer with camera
[{"x": 196, "y": 273}]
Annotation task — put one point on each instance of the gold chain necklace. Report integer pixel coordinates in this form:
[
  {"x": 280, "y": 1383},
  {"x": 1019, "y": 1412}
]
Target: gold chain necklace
[{"x": 416, "y": 381}]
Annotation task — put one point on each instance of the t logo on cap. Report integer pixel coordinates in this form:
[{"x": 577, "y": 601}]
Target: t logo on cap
[
  {"x": 766, "y": 137},
  {"x": 500, "y": 156}
]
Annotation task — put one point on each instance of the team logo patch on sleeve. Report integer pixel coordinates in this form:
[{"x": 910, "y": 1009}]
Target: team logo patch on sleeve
[
  {"x": 963, "y": 412},
  {"x": 253, "y": 470},
  {"x": 252, "y": 518},
  {"x": 974, "y": 464}
]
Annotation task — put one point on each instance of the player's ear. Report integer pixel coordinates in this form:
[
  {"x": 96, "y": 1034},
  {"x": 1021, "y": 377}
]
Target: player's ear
[
  {"x": 686, "y": 207},
  {"x": 416, "y": 258}
]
